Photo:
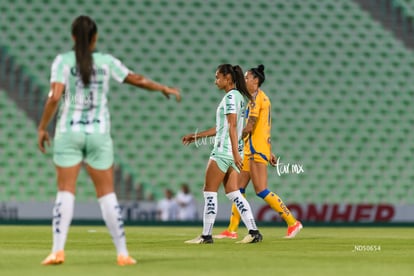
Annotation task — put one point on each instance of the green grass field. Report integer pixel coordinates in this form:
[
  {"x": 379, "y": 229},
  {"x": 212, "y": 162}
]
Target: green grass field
[{"x": 161, "y": 251}]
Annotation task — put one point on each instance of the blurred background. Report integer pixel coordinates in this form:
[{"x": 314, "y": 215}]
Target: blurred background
[{"x": 338, "y": 73}]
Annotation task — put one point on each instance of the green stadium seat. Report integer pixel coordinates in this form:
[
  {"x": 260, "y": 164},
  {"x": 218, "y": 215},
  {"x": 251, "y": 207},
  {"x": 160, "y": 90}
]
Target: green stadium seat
[
  {"x": 21, "y": 161},
  {"x": 340, "y": 97}
]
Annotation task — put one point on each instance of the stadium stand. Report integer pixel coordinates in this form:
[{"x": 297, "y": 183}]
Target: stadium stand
[
  {"x": 406, "y": 5},
  {"x": 340, "y": 86},
  {"x": 26, "y": 175}
]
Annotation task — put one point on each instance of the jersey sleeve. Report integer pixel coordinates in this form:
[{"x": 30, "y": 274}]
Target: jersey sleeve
[
  {"x": 118, "y": 70},
  {"x": 57, "y": 72},
  {"x": 230, "y": 104}
]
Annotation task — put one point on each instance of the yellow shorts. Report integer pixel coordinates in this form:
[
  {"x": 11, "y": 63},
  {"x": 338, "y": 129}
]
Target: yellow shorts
[
  {"x": 256, "y": 158},
  {"x": 246, "y": 164}
]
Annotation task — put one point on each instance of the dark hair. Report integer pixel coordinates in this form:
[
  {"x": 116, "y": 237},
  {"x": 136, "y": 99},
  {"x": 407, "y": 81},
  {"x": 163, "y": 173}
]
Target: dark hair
[
  {"x": 237, "y": 77},
  {"x": 84, "y": 29},
  {"x": 258, "y": 72},
  {"x": 185, "y": 188}
]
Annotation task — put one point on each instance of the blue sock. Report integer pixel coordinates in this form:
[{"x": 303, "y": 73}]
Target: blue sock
[{"x": 263, "y": 193}]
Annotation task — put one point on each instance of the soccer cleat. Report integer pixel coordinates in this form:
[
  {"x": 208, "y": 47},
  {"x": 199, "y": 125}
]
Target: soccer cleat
[
  {"x": 226, "y": 234},
  {"x": 54, "y": 258},
  {"x": 125, "y": 260},
  {"x": 254, "y": 236},
  {"x": 201, "y": 239},
  {"x": 293, "y": 230}
]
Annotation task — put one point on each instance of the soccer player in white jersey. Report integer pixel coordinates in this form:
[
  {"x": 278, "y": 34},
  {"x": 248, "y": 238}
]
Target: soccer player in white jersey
[
  {"x": 80, "y": 82},
  {"x": 226, "y": 158}
]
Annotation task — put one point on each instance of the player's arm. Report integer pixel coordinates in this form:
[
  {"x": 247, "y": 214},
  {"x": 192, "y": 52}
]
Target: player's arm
[
  {"x": 51, "y": 106},
  {"x": 273, "y": 157},
  {"x": 254, "y": 115},
  {"x": 251, "y": 123},
  {"x": 192, "y": 137},
  {"x": 232, "y": 122},
  {"x": 148, "y": 84}
]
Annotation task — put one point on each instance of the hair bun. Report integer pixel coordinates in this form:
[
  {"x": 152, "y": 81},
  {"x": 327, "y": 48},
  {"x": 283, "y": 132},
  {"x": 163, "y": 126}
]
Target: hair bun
[{"x": 261, "y": 68}]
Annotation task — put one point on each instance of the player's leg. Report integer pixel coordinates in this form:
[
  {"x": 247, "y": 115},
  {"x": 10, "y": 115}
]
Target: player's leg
[
  {"x": 242, "y": 205},
  {"x": 213, "y": 178},
  {"x": 99, "y": 159},
  {"x": 243, "y": 181},
  {"x": 67, "y": 156},
  {"x": 62, "y": 212},
  {"x": 258, "y": 173}
]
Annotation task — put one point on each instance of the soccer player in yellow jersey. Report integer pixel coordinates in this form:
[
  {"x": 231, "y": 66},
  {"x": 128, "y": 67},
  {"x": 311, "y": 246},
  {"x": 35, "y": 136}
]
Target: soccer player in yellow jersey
[{"x": 257, "y": 155}]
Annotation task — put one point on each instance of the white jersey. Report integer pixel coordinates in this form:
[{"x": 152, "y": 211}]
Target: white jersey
[
  {"x": 232, "y": 103},
  {"x": 187, "y": 209},
  {"x": 167, "y": 209},
  {"x": 84, "y": 108}
]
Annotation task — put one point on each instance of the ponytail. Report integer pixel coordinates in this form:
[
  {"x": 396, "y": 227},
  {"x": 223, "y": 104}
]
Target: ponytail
[
  {"x": 237, "y": 77},
  {"x": 241, "y": 82},
  {"x": 83, "y": 30}
]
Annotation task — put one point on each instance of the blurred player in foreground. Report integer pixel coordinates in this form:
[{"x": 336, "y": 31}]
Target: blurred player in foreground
[{"x": 81, "y": 79}]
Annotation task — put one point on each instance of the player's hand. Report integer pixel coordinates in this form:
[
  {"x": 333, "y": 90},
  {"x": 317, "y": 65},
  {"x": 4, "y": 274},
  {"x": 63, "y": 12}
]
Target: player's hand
[
  {"x": 238, "y": 161},
  {"x": 188, "y": 139},
  {"x": 42, "y": 138},
  {"x": 273, "y": 160},
  {"x": 245, "y": 134},
  {"x": 167, "y": 91}
]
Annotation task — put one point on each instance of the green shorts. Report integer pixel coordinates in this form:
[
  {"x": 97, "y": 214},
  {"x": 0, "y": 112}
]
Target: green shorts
[
  {"x": 224, "y": 162},
  {"x": 96, "y": 149}
]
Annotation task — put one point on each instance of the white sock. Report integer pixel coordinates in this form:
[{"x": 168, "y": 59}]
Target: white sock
[
  {"x": 210, "y": 212},
  {"x": 111, "y": 213},
  {"x": 244, "y": 209},
  {"x": 62, "y": 217}
]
